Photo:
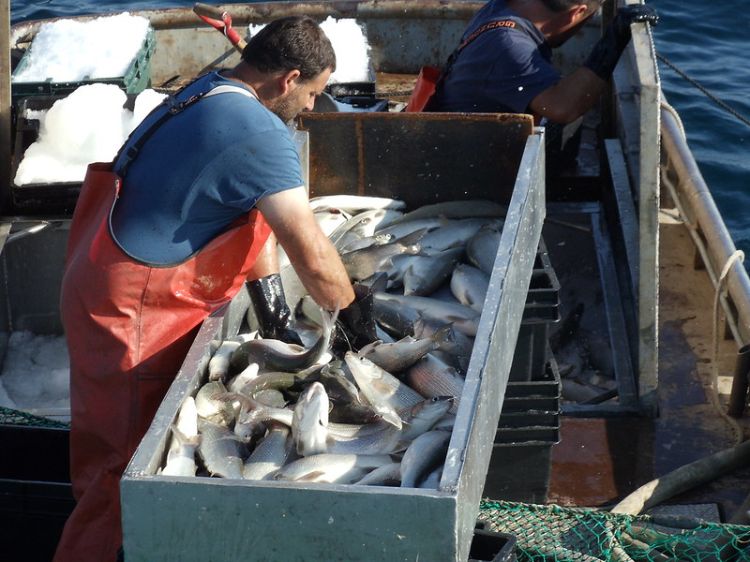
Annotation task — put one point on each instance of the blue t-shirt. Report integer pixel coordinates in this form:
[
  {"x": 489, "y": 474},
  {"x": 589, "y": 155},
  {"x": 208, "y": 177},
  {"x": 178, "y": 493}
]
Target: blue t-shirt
[
  {"x": 200, "y": 170},
  {"x": 501, "y": 70}
]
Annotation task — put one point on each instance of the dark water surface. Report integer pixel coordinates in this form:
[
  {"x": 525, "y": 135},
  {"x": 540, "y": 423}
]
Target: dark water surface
[{"x": 707, "y": 40}]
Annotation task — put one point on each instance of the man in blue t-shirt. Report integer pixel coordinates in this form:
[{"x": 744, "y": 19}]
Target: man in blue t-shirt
[
  {"x": 168, "y": 234},
  {"x": 503, "y": 63},
  {"x": 216, "y": 160}
]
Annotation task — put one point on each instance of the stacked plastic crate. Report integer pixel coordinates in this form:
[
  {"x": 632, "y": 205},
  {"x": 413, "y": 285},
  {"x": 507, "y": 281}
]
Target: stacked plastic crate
[{"x": 530, "y": 420}]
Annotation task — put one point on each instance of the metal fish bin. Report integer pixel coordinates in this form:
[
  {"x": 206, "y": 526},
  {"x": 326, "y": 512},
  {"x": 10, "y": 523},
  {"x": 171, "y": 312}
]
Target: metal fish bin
[{"x": 420, "y": 158}]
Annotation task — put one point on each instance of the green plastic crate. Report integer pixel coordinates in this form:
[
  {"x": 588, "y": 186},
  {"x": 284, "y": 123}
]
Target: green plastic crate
[{"x": 136, "y": 79}]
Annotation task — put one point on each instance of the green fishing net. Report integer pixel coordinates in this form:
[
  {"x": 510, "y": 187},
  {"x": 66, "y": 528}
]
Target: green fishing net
[
  {"x": 9, "y": 416},
  {"x": 550, "y": 532}
]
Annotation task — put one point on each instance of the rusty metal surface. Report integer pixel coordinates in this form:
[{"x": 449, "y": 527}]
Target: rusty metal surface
[{"x": 406, "y": 155}]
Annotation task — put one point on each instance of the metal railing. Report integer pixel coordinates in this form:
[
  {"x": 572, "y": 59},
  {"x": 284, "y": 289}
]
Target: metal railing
[{"x": 685, "y": 184}]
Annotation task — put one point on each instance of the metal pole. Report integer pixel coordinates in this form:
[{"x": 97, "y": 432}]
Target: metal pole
[
  {"x": 5, "y": 106},
  {"x": 738, "y": 395}
]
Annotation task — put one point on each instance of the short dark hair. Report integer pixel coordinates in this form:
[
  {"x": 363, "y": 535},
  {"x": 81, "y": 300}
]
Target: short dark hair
[
  {"x": 291, "y": 43},
  {"x": 562, "y": 5}
]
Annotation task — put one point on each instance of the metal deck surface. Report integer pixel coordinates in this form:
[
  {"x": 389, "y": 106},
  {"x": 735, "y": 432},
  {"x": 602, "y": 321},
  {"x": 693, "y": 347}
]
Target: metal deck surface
[{"x": 600, "y": 460}]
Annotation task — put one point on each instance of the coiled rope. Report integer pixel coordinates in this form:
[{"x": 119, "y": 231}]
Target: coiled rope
[{"x": 726, "y": 107}]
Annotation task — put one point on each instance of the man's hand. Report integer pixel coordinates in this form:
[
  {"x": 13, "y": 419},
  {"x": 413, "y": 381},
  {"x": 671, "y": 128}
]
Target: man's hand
[
  {"x": 607, "y": 51},
  {"x": 356, "y": 322},
  {"x": 314, "y": 258}
]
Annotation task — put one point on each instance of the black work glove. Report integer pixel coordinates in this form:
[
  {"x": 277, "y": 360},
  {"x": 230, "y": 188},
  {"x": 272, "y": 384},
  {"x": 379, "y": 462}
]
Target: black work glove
[
  {"x": 355, "y": 327},
  {"x": 271, "y": 310},
  {"x": 607, "y": 51}
]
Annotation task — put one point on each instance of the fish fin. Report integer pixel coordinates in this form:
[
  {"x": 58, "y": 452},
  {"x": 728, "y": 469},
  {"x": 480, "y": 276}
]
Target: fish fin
[{"x": 413, "y": 238}]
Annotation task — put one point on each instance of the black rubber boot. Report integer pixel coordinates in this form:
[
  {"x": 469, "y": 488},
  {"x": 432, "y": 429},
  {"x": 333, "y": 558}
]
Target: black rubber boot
[
  {"x": 271, "y": 310},
  {"x": 355, "y": 327}
]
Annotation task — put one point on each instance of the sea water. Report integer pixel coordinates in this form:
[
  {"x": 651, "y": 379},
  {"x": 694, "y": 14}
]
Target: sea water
[{"x": 706, "y": 40}]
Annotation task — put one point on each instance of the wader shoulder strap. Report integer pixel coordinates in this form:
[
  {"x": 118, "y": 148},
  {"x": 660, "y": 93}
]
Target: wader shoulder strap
[
  {"x": 173, "y": 108},
  {"x": 507, "y": 23}
]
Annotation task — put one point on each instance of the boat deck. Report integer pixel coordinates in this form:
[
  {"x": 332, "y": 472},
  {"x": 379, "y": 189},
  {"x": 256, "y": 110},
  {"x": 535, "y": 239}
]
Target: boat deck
[{"x": 600, "y": 460}]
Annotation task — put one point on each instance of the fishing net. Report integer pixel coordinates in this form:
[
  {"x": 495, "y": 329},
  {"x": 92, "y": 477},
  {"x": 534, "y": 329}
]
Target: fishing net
[
  {"x": 8, "y": 416},
  {"x": 550, "y": 532}
]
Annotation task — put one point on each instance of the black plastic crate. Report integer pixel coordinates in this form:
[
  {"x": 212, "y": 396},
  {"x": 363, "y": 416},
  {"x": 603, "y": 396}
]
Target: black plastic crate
[
  {"x": 519, "y": 472},
  {"x": 34, "y": 198},
  {"x": 525, "y": 403},
  {"x": 35, "y": 492},
  {"x": 137, "y": 76},
  {"x": 492, "y": 546},
  {"x": 529, "y": 418},
  {"x": 520, "y": 435},
  {"x": 520, "y": 464},
  {"x": 532, "y": 350},
  {"x": 542, "y": 308}
]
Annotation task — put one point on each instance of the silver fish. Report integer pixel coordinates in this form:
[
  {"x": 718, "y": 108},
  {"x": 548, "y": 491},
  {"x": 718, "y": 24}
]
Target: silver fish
[
  {"x": 386, "y": 475},
  {"x": 243, "y": 377},
  {"x": 456, "y": 210},
  {"x": 469, "y": 286},
  {"x": 431, "y": 377},
  {"x": 400, "y": 355},
  {"x": 362, "y": 243},
  {"x": 456, "y": 343},
  {"x": 424, "y": 274},
  {"x": 394, "y": 317},
  {"x": 423, "y": 416},
  {"x": 341, "y": 469},
  {"x": 210, "y": 407},
  {"x": 181, "y": 455},
  {"x": 330, "y": 218},
  {"x": 464, "y": 319},
  {"x": 384, "y": 391},
  {"x": 277, "y": 355},
  {"x": 481, "y": 250},
  {"x": 220, "y": 450},
  {"x": 423, "y": 455},
  {"x": 432, "y": 480},
  {"x": 363, "y": 264},
  {"x": 185, "y": 440},
  {"x": 347, "y": 406},
  {"x": 218, "y": 365},
  {"x": 355, "y": 203},
  {"x": 402, "y": 229},
  {"x": 385, "y": 438},
  {"x": 362, "y": 225},
  {"x": 373, "y": 439},
  {"x": 271, "y": 397},
  {"x": 452, "y": 234},
  {"x": 310, "y": 421},
  {"x": 270, "y": 454}
]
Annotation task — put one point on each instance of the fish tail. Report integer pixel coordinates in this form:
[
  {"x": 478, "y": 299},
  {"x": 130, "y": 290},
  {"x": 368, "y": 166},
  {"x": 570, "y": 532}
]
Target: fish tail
[{"x": 183, "y": 439}]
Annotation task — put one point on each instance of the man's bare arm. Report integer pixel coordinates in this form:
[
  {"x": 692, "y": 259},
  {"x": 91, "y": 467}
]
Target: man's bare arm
[
  {"x": 570, "y": 98},
  {"x": 314, "y": 258}
]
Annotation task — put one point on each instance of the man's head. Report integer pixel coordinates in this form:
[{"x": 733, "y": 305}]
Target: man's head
[
  {"x": 558, "y": 20},
  {"x": 295, "y": 59}
]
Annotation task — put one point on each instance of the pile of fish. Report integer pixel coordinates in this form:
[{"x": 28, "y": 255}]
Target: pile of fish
[{"x": 380, "y": 416}]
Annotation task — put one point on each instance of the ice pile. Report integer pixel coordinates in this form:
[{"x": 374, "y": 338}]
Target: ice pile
[
  {"x": 87, "y": 126},
  {"x": 36, "y": 373},
  {"x": 68, "y": 51},
  {"x": 351, "y": 48}
]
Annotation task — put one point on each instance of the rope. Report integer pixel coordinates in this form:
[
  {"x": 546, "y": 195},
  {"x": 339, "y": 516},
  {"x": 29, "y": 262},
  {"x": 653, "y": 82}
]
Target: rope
[
  {"x": 705, "y": 91},
  {"x": 738, "y": 255}
]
